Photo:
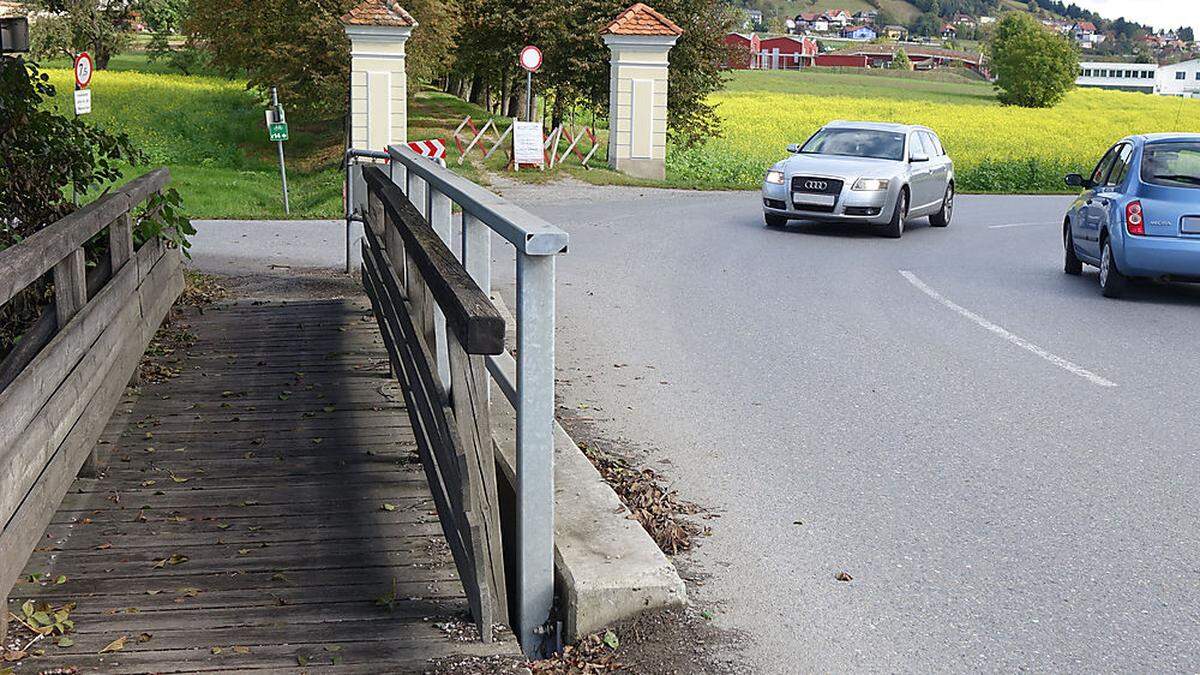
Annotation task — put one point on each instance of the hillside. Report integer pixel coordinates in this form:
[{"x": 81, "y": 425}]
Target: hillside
[{"x": 901, "y": 9}]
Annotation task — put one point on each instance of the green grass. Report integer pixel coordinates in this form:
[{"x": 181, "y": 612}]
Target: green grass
[
  {"x": 995, "y": 148},
  {"x": 209, "y": 132}
]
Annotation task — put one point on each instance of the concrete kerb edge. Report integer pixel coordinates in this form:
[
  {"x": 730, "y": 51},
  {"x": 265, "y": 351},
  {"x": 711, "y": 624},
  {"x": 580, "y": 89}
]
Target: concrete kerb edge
[{"x": 607, "y": 566}]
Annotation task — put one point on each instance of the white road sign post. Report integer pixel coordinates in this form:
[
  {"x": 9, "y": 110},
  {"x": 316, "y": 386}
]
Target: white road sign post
[
  {"x": 83, "y": 78},
  {"x": 531, "y": 61}
]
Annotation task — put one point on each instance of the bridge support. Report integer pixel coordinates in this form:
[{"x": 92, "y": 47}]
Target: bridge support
[{"x": 639, "y": 39}]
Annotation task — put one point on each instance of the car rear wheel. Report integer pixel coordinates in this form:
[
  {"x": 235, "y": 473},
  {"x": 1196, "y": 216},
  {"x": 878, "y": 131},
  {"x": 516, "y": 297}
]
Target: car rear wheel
[
  {"x": 774, "y": 220},
  {"x": 1071, "y": 263},
  {"x": 895, "y": 228},
  {"x": 1112, "y": 282},
  {"x": 942, "y": 218}
]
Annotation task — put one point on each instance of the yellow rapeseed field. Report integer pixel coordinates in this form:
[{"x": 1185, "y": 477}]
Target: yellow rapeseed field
[{"x": 995, "y": 148}]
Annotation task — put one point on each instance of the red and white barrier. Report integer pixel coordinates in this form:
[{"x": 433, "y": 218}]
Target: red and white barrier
[{"x": 433, "y": 148}]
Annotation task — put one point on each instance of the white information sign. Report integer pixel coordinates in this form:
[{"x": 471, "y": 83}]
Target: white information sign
[
  {"x": 83, "y": 101},
  {"x": 528, "y": 143}
]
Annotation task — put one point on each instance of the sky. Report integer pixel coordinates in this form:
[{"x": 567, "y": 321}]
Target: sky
[{"x": 1157, "y": 13}]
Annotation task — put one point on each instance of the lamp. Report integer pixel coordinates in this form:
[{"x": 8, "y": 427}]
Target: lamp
[{"x": 14, "y": 35}]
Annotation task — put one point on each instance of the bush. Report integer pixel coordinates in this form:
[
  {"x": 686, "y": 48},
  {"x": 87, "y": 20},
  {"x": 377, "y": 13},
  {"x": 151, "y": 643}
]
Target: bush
[{"x": 1034, "y": 67}]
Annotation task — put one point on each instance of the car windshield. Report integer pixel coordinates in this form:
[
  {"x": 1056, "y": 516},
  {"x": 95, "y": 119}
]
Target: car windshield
[
  {"x": 856, "y": 143},
  {"x": 1172, "y": 164}
]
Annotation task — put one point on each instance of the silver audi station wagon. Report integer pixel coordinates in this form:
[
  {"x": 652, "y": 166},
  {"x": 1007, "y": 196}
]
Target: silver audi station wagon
[{"x": 863, "y": 172}]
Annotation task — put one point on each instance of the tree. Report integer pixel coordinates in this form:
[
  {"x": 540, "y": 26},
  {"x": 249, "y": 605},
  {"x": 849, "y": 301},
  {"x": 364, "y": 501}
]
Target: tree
[
  {"x": 901, "y": 60},
  {"x": 44, "y": 157},
  {"x": 1034, "y": 66},
  {"x": 928, "y": 25},
  {"x": 68, "y": 27},
  {"x": 300, "y": 46}
]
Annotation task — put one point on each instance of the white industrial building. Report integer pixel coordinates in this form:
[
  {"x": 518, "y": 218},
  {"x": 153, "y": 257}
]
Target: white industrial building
[{"x": 1177, "y": 79}]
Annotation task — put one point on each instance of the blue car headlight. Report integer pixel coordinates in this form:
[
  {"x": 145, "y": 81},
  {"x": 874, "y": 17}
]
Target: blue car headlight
[{"x": 774, "y": 177}]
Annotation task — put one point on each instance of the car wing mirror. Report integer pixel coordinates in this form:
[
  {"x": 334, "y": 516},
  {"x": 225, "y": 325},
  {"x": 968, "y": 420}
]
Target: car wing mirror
[
  {"x": 1077, "y": 180},
  {"x": 917, "y": 157},
  {"x": 794, "y": 148}
]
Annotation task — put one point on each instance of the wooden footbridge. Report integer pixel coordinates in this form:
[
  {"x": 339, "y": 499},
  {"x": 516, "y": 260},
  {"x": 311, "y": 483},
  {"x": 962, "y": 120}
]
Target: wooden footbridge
[{"x": 314, "y": 487}]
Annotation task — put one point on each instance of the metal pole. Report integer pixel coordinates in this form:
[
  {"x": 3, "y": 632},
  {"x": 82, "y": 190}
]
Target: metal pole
[
  {"x": 287, "y": 208},
  {"x": 535, "y": 448},
  {"x": 529, "y": 96}
]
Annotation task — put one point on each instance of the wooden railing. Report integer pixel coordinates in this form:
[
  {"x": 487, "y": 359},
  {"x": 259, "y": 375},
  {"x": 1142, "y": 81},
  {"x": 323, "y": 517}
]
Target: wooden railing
[
  {"x": 411, "y": 277},
  {"x": 55, "y": 408}
]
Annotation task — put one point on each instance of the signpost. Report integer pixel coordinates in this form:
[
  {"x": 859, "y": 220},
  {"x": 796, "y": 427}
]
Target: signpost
[
  {"x": 83, "y": 78},
  {"x": 531, "y": 61},
  {"x": 277, "y": 132}
]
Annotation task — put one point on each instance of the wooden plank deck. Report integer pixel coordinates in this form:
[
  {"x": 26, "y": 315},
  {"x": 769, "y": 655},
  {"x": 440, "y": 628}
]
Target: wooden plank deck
[{"x": 254, "y": 510}]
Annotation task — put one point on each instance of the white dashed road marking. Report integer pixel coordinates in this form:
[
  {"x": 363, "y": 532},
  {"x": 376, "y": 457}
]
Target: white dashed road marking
[
  {"x": 1000, "y": 227},
  {"x": 1000, "y": 331}
]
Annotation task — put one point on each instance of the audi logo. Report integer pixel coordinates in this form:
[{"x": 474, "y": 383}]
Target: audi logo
[{"x": 816, "y": 185}]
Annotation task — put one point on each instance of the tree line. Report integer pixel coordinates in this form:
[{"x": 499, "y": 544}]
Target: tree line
[{"x": 466, "y": 47}]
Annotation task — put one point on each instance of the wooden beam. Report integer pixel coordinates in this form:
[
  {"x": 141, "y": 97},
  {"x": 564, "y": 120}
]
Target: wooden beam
[
  {"x": 70, "y": 286},
  {"x": 467, "y": 309},
  {"x": 25, "y": 263}
]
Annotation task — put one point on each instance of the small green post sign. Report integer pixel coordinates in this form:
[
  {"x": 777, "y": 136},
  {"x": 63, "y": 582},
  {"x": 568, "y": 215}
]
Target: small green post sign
[{"x": 278, "y": 131}]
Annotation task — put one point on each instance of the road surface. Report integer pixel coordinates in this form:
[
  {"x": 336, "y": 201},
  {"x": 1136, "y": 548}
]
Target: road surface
[{"x": 1004, "y": 461}]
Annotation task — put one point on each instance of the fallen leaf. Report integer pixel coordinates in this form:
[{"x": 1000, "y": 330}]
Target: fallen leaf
[
  {"x": 215, "y": 650},
  {"x": 62, "y": 579},
  {"x": 610, "y": 639},
  {"x": 389, "y": 507},
  {"x": 145, "y": 637},
  {"x": 843, "y": 576},
  {"x": 241, "y": 649},
  {"x": 65, "y": 641},
  {"x": 115, "y": 646},
  {"x": 329, "y": 408}
]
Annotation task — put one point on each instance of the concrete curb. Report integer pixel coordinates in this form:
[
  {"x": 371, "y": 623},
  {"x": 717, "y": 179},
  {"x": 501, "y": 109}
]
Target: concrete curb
[{"x": 607, "y": 567}]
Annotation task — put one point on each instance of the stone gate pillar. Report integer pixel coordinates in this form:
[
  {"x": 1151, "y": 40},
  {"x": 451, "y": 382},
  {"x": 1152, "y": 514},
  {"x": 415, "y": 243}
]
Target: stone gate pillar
[
  {"x": 378, "y": 30},
  {"x": 639, "y": 39}
]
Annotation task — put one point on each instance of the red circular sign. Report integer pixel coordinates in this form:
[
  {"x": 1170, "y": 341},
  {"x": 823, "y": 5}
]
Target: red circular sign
[
  {"x": 531, "y": 58},
  {"x": 83, "y": 70}
]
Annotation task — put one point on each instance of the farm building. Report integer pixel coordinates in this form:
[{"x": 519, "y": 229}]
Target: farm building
[
  {"x": 923, "y": 57},
  {"x": 782, "y": 52}
]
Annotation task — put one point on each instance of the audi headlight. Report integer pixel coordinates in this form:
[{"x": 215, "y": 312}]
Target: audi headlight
[
  {"x": 775, "y": 177},
  {"x": 870, "y": 184}
]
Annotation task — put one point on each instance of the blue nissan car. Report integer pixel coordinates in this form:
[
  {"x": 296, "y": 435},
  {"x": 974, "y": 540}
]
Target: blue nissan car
[{"x": 1139, "y": 213}]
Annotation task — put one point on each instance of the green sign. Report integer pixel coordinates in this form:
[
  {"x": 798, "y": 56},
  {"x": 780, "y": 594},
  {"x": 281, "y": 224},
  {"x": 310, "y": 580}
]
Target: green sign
[{"x": 278, "y": 131}]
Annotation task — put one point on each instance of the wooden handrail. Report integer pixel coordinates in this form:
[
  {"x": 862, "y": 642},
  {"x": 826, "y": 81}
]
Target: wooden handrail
[
  {"x": 25, "y": 263},
  {"x": 469, "y": 313}
]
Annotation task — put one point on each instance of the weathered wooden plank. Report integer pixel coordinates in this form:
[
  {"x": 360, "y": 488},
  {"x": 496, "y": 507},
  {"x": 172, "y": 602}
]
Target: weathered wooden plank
[
  {"x": 37, "y": 504},
  {"x": 471, "y": 413},
  {"x": 449, "y": 469},
  {"x": 61, "y": 386},
  {"x": 22, "y": 265},
  {"x": 465, "y": 306},
  {"x": 70, "y": 286},
  {"x": 120, "y": 241}
]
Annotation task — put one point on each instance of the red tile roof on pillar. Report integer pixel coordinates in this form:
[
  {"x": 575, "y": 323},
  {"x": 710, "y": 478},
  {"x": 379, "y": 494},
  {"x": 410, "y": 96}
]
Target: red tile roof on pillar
[
  {"x": 378, "y": 13},
  {"x": 642, "y": 19}
]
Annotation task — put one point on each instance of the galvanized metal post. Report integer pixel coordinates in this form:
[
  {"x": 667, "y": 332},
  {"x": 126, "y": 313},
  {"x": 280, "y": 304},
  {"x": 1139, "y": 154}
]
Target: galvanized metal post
[
  {"x": 439, "y": 214},
  {"x": 477, "y": 251},
  {"x": 528, "y": 95},
  {"x": 279, "y": 117},
  {"x": 535, "y": 447}
]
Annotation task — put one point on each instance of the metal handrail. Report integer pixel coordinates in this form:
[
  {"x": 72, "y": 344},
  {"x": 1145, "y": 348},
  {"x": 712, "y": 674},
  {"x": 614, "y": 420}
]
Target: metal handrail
[
  {"x": 528, "y": 233},
  {"x": 526, "y": 381}
]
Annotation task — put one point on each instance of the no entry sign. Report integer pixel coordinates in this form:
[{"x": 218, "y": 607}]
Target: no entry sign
[
  {"x": 83, "y": 70},
  {"x": 531, "y": 58}
]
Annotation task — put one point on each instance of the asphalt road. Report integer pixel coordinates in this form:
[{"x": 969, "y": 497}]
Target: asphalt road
[{"x": 1005, "y": 461}]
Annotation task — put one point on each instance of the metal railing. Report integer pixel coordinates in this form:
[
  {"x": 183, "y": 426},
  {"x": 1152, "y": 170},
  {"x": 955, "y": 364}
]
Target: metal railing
[{"x": 526, "y": 381}]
